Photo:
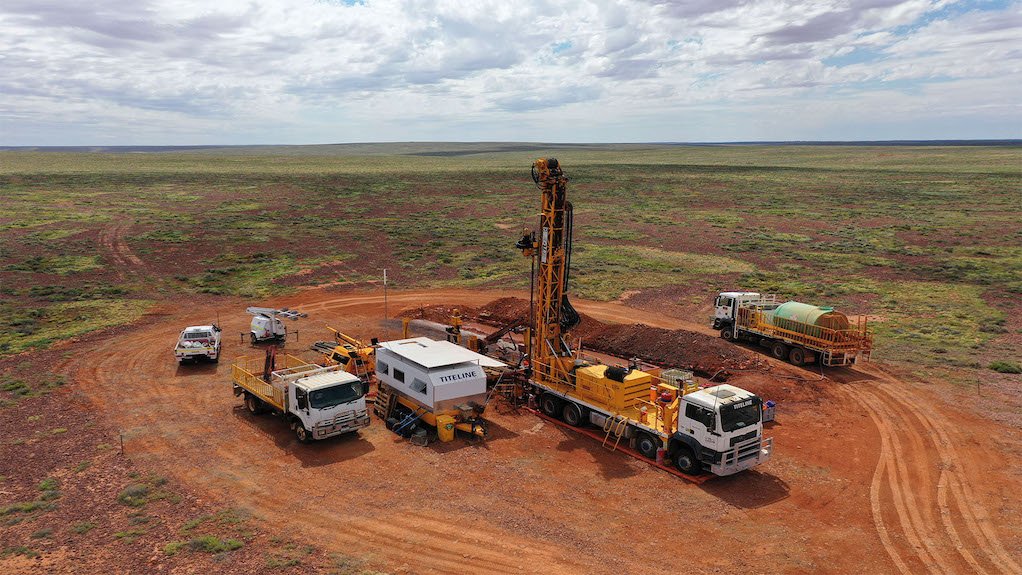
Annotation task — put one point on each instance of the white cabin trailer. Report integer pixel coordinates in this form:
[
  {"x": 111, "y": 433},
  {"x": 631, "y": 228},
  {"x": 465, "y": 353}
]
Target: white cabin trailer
[{"x": 438, "y": 375}]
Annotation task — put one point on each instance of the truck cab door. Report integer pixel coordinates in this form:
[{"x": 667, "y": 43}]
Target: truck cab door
[
  {"x": 723, "y": 307},
  {"x": 723, "y": 311},
  {"x": 700, "y": 424}
]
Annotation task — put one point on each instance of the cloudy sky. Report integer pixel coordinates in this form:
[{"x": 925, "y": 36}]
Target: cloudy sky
[{"x": 108, "y": 72}]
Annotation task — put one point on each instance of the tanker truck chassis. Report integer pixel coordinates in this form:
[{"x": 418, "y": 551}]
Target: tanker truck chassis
[{"x": 796, "y": 332}]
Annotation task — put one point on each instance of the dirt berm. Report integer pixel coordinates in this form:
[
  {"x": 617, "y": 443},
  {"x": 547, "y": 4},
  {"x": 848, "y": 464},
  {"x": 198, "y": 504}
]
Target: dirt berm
[{"x": 701, "y": 353}]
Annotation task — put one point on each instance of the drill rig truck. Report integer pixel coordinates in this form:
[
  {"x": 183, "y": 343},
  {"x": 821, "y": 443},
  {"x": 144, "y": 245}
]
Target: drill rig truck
[{"x": 718, "y": 429}]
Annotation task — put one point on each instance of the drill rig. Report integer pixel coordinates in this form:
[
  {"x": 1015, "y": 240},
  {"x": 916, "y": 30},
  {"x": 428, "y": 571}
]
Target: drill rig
[{"x": 717, "y": 429}]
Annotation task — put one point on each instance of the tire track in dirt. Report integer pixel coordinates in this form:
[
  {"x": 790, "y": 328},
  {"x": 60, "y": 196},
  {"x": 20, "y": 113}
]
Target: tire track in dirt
[
  {"x": 912, "y": 432},
  {"x": 907, "y": 500},
  {"x": 973, "y": 514},
  {"x": 111, "y": 239}
]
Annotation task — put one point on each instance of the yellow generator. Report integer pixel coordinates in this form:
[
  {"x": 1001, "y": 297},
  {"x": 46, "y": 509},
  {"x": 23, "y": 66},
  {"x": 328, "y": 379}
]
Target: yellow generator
[{"x": 426, "y": 384}]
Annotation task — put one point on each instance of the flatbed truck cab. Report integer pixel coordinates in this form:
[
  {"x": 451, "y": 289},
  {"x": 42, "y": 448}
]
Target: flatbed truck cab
[{"x": 317, "y": 402}]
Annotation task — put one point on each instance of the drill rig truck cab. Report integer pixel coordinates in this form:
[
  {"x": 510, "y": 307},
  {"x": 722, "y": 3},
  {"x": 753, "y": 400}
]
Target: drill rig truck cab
[{"x": 717, "y": 429}]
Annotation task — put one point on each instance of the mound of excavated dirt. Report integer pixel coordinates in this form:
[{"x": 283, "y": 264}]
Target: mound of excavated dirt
[
  {"x": 703, "y": 354},
  {"x": 700, "y": 353}
]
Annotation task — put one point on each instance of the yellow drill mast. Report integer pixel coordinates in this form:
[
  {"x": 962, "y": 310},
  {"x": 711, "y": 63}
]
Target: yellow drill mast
[{"x": 551, "y": 355}]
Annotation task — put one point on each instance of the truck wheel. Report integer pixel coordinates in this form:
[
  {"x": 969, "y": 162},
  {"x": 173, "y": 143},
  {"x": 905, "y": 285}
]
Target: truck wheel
[
  {"x": 301, "y": 433},
  {"x": 685, "y": 460},
  {"x": 797, "y": 356},
  {"x": 727, "y": 333},
  {"x": 572, "y": 414},
  {"x": 779, "y": 350},
  {"x": 253, "y": 404},
  {"x": 550, "y": 405},
  {"x": 647, "y": 446}
]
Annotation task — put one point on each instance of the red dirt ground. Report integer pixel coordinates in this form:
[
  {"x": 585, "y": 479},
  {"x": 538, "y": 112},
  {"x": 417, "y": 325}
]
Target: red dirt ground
[{"x": 871, "y": 473}]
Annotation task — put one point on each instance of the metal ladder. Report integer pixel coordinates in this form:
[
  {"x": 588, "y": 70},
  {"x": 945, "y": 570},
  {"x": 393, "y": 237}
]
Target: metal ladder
[{"x": 615, "y": 425}]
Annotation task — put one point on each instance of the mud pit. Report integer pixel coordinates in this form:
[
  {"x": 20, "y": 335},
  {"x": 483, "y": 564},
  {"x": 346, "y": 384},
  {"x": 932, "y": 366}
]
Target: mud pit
[{"x": 870, "y": 474}]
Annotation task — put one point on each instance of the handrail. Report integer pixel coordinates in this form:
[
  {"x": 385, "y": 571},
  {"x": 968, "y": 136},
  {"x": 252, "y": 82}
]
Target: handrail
[{"x": 859, "y": 338}]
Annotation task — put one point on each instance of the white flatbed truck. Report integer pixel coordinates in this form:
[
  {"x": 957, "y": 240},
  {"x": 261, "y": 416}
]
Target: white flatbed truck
[{"x": 316, "y": 402}]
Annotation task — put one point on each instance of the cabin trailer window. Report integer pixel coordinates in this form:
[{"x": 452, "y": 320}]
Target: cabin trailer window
[
  {"x": 382, "y": 367},
  {"x": 418, "y": 386},
  {"x": 399, "y": 375}
]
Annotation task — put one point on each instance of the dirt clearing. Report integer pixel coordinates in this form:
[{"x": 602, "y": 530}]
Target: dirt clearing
[{"x": 870, "y": 475}]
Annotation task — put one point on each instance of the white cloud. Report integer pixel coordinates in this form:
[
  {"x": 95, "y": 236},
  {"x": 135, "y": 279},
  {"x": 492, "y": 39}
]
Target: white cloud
[{"x": 161, "y": 72}]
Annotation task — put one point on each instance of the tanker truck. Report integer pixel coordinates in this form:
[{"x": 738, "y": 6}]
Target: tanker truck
[{"x": 800, "y": 333}]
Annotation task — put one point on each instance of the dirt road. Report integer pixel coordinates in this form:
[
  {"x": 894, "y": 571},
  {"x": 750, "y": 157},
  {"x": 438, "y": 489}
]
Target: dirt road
[{"x": 869, "y": 476}]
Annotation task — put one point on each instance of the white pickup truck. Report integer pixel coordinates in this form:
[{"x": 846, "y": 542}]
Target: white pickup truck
[{"x": 197, "y": 343}]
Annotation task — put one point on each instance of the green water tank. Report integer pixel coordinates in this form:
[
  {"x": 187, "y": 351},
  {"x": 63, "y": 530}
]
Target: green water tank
[{"x": 810, "y": 314}]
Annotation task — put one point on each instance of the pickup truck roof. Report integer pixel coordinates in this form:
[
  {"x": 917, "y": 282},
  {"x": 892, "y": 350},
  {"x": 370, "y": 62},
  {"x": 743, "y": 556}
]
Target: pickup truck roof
[{"x": 194, "y": 328}]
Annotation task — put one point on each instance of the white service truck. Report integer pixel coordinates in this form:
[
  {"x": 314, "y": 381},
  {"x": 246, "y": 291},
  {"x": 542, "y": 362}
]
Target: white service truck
[
  {"x": 316, "y": 402},
  {"x": 198, "y": 343}
]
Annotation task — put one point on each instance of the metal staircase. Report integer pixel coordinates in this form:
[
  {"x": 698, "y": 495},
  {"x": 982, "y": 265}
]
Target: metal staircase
[{"x": 385, "y": 402}]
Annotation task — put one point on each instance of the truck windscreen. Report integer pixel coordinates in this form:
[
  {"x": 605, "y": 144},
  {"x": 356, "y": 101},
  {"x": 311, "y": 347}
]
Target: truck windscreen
[
  {"x": 740, "y": 414},
  {"x": 336, "y": 395}
]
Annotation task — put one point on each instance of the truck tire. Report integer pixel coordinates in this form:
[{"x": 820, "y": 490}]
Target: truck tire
[
  {"x": 550, "y": 405},
  {"x": 797, "y": 356},
  {"x": 779, "y": 351},
  {"x": 303, "y": 435},
  {"x": 727, "y": 333},
  {"x": 685, "y": 460},
  {"x": 647, "y": 446},
  {"x": 573, "y": 414},
  {"x": 253, "y": 404}
]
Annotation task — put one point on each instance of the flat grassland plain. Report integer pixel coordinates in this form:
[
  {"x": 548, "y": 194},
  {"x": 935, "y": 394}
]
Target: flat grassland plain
[{"x": 926, "y": 241}]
